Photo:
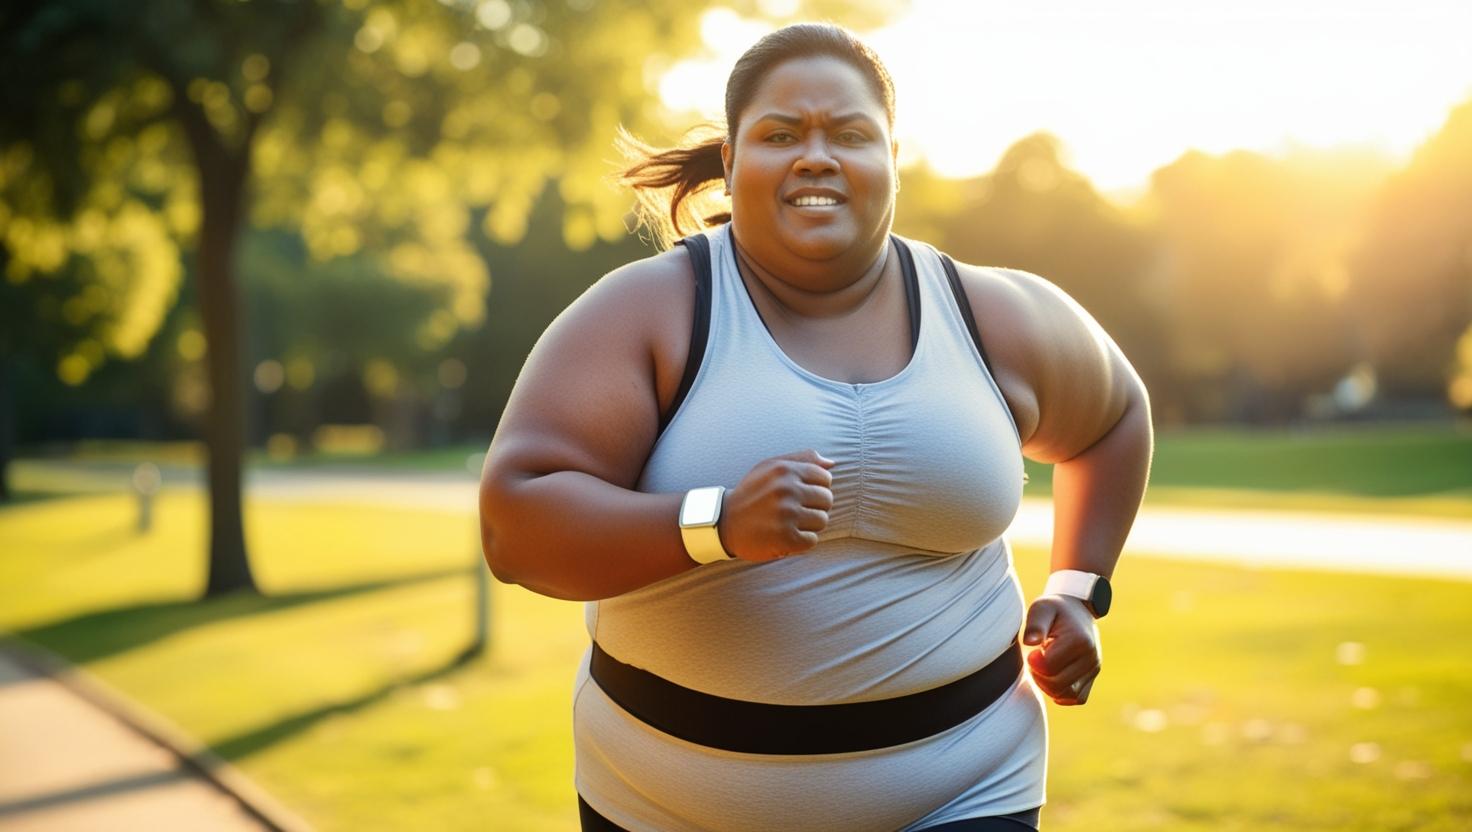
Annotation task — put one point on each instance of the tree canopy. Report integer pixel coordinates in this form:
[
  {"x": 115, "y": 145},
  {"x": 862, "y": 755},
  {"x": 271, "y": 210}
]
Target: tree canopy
[{"x": 371, "y": 129}]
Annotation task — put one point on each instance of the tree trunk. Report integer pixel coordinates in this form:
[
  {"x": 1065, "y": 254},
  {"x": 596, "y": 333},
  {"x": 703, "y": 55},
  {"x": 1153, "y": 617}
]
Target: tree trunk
[{"x": 222, "y": 178}]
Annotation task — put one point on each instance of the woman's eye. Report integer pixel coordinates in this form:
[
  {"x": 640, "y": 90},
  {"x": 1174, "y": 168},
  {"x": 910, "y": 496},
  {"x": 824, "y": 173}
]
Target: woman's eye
[
  {"x": 852, "y": 136},
  {"x": 780, "y": 138}
]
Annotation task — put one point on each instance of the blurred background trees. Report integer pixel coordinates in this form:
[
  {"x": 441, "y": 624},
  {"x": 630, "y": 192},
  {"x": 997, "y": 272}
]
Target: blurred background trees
[
  {"x": 1410, "y": 273},
  {"x": 373, "y": 133}
]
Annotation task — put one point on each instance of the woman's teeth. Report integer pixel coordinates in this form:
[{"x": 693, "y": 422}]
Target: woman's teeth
[{"x": 804, "y": 201}]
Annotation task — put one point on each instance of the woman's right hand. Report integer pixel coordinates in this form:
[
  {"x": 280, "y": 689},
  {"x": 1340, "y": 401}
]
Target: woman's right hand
[{"x": 779, "y": 507}]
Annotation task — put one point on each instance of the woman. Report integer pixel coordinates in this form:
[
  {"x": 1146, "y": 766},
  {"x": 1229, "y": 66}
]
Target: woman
[{"x": 785, "y": 509}]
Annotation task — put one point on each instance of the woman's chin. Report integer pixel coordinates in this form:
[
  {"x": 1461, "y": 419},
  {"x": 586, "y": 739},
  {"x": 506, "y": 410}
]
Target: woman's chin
[{"x": 828, "y": 243}]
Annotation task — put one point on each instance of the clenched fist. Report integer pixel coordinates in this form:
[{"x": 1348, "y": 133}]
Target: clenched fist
[
  {"x": 779, "y": 507},
  {"x": 1069, "y": 657}
]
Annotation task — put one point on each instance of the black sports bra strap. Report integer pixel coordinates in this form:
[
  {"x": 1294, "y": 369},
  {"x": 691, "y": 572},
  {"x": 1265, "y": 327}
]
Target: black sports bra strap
[
  {"x": 959, "y": 292},
  {"x": 912, "y": 290},
  {"x": 698, "y": 248}
]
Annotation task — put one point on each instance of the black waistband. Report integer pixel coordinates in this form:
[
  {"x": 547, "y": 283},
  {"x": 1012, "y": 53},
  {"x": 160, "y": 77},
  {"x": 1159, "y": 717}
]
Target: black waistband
[{"x": 764, "y": 728}]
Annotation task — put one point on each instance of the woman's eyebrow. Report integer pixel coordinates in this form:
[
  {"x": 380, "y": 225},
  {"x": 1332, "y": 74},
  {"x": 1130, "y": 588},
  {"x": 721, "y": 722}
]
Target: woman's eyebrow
[{"x": 783, "y": 118}]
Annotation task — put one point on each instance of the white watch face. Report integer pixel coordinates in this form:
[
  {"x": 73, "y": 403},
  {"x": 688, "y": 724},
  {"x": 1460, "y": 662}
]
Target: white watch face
[{"x": 699, "y": 507}]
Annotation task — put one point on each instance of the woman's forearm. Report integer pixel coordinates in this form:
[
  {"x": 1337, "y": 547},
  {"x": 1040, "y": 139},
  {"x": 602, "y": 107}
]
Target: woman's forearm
[
  {"x": 570, "y": 535},
  {"x": 1097, "y": 494}
]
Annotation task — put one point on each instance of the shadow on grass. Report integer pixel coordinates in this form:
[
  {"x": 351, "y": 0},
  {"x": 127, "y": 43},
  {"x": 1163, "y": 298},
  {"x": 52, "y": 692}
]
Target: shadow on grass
[
  {"x": 249, "y": 742},
  {"x": 98, "y": 635},
  {"x": 24, "y": 498}
]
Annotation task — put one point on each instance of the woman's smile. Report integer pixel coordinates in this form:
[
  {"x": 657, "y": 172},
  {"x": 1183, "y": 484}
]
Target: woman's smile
[{"x": 818, "y": 202}]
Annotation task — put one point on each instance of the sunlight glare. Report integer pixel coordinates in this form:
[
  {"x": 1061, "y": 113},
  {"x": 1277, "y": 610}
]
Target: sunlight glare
[{"x": 1130, "y": 86}]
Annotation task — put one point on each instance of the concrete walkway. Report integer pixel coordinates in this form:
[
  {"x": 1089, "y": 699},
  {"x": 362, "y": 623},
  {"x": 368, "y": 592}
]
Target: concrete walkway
[
  {"x": 69, "y": 763},
  {"x": 1412, "y": 546}
]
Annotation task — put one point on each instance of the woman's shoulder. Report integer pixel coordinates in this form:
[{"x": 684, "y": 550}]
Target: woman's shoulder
[
  {"x": 1051, "y": 357},
  {"x": 652, "y": 300},
  {"x": 652, "y": 283},
  {"x": 1022, "y": 312},
  {"x": 1000, "y": 292},
  {"x": 636, "y": 299},
  {"x": 1005, "y": 313}
]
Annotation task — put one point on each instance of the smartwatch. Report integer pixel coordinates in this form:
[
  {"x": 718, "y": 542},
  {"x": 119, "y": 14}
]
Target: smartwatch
[
  {"x": 699, "y": 513},
  {"x": 1093, "y": 590}
]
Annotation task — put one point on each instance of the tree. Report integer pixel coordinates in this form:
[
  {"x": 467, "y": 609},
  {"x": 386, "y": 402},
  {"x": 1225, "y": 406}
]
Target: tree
[
  {"x": 76, "y": 292},
  {"x": 371, "y": 128},
  {"x": 1032, "y": 212},
  {"x": 1252, "y": 261},
  {"x": 1411, "y": 275}
]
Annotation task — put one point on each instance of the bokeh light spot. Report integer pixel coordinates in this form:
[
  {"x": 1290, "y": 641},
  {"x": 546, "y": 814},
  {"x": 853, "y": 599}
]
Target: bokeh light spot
[
  {"x": 493, "y": 14},
  {"x": 191, "y": 345},
  {"x": 269, "y": 376}
]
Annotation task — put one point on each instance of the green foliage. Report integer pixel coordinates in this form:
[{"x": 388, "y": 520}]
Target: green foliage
[
  {"x": 385, "y": 134},
  {"x": 374, "y": 130}
]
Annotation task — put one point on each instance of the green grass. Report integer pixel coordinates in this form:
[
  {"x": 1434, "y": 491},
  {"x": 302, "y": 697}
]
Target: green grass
[
  {"x": 1383, "y": 469},
  {"x": 1222, "y": 706}
]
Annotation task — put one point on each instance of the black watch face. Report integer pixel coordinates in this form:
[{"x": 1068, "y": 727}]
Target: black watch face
[{"x": 1101, "y": 596}]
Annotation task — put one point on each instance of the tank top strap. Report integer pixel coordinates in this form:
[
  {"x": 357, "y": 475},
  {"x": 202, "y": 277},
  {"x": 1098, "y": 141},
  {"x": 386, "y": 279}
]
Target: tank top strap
[{"x": 698, "y": 247}]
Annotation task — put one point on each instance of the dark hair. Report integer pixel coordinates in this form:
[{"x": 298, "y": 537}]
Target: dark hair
[{"x": 665, "y": 181}]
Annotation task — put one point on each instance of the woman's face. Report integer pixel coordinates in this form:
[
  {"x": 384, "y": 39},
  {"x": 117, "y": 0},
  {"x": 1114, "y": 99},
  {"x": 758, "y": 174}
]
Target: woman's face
[{"x": 812, "y": 171}]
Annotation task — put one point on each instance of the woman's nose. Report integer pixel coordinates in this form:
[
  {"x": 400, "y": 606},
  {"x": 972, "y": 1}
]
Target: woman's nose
[{"x": 816, "y": 157}]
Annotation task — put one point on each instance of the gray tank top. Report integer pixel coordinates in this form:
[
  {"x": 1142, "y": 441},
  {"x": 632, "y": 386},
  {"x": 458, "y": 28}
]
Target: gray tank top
[{"x": 911, "y": 585}]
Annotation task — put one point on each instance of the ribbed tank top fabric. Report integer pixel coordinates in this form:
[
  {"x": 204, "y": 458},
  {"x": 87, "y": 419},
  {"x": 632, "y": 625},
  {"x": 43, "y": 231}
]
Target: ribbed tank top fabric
[{"x": 911, "y": 586}]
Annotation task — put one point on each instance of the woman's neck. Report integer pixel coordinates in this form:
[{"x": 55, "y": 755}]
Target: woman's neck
[{"x": 792, "y": 301}]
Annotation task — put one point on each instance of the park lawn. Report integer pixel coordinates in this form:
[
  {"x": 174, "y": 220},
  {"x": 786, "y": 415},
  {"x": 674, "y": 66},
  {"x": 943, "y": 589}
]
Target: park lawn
[
  {"x": 1225, "y": 703},
  {"x": 1415, "y": 470}
]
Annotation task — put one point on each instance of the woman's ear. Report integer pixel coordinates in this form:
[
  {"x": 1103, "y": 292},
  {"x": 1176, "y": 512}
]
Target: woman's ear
[{"x": 726, "y": 164}]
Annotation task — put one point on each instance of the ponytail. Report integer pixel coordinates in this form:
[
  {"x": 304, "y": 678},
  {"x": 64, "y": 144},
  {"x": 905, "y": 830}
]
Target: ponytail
[{"x": 671, "y": 186}]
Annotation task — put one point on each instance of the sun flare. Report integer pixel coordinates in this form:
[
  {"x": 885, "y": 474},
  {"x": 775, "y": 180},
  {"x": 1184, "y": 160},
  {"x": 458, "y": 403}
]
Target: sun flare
[{"x": 1131, "y": 85}]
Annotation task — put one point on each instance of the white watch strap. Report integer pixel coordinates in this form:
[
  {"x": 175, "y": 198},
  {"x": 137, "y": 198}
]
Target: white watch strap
[
  {"x": 1071, "y": 582},
  {"x": 703, "y": 541}
]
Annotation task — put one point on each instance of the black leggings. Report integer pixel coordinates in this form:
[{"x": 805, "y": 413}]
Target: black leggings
[{"x": 594, "y": 822}]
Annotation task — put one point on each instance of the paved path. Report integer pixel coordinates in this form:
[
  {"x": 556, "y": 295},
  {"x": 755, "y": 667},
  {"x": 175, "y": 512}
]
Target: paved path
[
  {"x": 1338, "y": 542},
  {"x": 1427, "y": 547},
  {"x": 66, "y": 764}
]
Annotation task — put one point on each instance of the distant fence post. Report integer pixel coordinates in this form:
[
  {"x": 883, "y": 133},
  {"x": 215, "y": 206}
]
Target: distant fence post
[
  {"x": 480, "y": 642},
  {"x": 146, "y": 481}
]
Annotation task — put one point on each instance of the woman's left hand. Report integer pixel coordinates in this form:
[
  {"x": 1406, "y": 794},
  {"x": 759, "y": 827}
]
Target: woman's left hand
[{"x": 1070, "y": 657}]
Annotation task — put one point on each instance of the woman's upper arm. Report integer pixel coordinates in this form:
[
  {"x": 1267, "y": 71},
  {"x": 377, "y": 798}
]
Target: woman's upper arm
[
  {"x": 1060, "y": 362},
  {"x": 589, "y": 396}
]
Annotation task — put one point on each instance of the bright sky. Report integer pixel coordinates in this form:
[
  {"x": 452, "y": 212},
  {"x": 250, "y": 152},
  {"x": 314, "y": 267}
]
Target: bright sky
[{"x": 1131, "y": 84}]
